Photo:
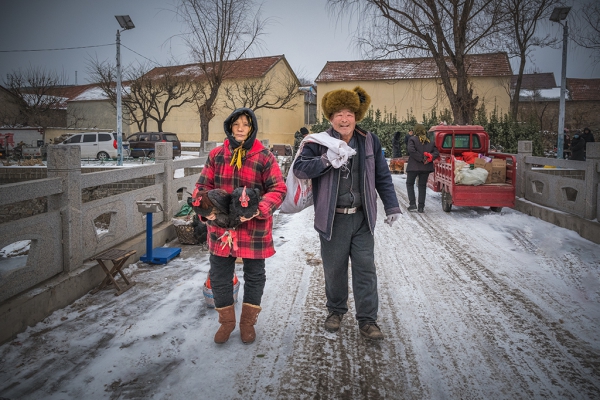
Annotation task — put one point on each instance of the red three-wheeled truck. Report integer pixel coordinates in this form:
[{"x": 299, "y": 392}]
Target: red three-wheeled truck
[{"x": 455, "y": 142}]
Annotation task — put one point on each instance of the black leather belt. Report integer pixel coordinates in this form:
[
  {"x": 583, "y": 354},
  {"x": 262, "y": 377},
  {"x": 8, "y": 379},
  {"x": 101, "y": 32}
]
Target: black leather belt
[{"x": 352, "y": 210}]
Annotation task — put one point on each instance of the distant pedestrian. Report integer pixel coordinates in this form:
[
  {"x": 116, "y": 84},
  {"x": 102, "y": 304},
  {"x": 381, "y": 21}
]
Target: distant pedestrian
[
  {"x": 406, "y": 137},
  {"x": 577, "y": 148},
  {"x": 588, "y": 136},
  {"x": 421, "y": 153},
  {"x": 396, "y": 149},
  {"x": 298, "y": 136},
  {"x": 567, "y": 146}
]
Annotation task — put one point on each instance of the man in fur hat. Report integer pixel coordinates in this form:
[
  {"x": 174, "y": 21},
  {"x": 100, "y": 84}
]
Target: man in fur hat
[
  {"x": 242, "y": 161},
  {"x": 345, "y": 203}
]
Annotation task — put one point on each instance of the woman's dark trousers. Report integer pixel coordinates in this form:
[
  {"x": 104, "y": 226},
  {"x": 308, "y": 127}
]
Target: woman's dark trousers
[
  {"x": 221, "y": 279},
  {"x": 411, "y": 176}
]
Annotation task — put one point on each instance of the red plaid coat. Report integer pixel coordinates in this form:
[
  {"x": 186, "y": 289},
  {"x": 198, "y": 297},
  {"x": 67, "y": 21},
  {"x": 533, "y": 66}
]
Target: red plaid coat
[{"x": 260, "y": 169}]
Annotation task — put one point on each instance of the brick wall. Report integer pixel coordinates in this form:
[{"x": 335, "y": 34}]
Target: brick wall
[{"x": 578, "y": 115}]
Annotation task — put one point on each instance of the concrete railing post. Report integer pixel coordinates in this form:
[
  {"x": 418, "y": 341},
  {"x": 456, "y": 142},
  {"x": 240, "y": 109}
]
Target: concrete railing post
[
  {"x": 525, "y": 148},
  {"x": 592, "y": 171},
  {"x": 65, "y": 162},
  {"x": 164, "y": 155}
]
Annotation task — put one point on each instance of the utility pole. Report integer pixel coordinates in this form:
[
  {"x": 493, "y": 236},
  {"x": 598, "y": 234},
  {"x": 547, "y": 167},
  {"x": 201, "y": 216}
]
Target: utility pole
[
  {"x": 558, "y": 14},
  {"x": 126, "y": 23}
]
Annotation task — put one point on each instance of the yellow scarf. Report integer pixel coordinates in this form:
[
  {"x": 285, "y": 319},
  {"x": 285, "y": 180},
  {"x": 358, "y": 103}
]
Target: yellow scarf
[
  {"x": 423, "y": 138},
  {"x": 238, "y": 154}
]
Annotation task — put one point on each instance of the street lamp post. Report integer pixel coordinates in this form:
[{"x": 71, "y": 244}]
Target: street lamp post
[
  {"x": 126, "y": 23},
  {"x": 560, "y": 14}
]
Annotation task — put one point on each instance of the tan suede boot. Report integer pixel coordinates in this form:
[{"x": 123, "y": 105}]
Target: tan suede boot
[
  {"x": 227, "y": 321},
  {"x": 247, "y": 321}
]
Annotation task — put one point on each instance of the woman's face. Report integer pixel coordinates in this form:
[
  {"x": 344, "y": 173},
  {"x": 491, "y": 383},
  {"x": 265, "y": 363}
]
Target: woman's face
[{"x": 241, "y": 128}]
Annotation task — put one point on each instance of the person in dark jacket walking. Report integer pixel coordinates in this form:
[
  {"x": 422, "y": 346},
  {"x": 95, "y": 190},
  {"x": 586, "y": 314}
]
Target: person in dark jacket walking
[
  {"x": 577, "y": 148},
  {"x": 396, "y": 147},
  {"x": 242, "y": 161},
  {"x": 421, "y": 153},
  {"x": 345, "y": 204},
  {"x": 298, "y": 136},
  {"x": 406, "y": 137},
  {"x": 588, "y": 136}
]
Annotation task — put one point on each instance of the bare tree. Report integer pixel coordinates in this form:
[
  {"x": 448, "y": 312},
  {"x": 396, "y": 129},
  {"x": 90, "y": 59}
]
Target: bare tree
[
  {"x": 218, "y": 31},
  {"x": 269, "y": 93},
  {"x": 104, "y": 74},
  {"x": 446, "y": 30},
  {"x": 147, "y": 95},
  {"x": 586, "y": 30},
  {"x": 163, "y": 90},
  {"x": 523, "y": 35},
  {"x": 38, "y": 96}
]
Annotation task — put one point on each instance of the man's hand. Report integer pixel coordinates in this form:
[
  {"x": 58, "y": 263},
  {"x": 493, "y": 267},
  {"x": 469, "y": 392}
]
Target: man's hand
[{"x": 390, "y": 219}]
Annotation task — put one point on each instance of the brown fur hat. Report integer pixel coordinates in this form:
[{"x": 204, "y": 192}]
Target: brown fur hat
[{"x": 355, "y": 100}]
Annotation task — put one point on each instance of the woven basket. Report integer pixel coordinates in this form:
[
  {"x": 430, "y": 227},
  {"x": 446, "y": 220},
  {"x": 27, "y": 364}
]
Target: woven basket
[{"x": 185, "y": 233}]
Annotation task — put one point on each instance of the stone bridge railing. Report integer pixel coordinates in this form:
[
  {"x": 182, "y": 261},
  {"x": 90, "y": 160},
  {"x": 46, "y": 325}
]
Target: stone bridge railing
[
  {"x": 65, "y": 236},
  {"x": 564, "y": 185}
]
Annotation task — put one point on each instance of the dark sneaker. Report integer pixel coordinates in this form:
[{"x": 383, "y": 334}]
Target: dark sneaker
[
  {"x": 412, "y": 207},
  {"x": 371, "y": 332},
  {"x": 421, "y": 209},
  {"x": 332, "y": 322}
]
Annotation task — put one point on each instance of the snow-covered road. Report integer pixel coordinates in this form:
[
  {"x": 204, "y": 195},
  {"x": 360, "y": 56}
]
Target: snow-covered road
[{"x": 474, "y": 305}]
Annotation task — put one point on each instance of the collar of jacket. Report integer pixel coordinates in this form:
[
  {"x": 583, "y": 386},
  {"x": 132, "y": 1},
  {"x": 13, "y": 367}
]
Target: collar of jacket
[
  {"x": 332, "y": 132},
  {"x": 256, "y": 147}
]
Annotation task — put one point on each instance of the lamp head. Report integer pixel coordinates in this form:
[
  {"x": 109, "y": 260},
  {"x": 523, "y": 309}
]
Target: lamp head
[
  {"x": 559, "y": 14},
  {"x": 125, "y": 21}
]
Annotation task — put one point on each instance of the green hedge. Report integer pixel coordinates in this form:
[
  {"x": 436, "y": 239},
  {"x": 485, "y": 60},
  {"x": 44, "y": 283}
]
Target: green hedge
[{"x": 503, "y": 130}]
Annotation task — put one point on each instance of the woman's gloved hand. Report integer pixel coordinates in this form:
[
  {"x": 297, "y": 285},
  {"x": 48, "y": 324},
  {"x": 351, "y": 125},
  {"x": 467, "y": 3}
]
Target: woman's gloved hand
[{"x": 427, "y": 157}]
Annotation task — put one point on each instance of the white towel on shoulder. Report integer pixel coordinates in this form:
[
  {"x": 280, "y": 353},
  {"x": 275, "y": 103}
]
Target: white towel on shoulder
[{"x": 338, "y": 151}]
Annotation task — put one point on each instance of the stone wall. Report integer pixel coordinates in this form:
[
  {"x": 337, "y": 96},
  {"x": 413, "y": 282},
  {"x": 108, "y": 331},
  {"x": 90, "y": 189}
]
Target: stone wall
[{"x": 23, "y": 209}]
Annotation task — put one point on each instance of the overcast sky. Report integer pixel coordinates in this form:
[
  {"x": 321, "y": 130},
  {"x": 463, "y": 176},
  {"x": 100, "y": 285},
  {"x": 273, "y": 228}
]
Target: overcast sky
[{"x": 301, "y": 30}]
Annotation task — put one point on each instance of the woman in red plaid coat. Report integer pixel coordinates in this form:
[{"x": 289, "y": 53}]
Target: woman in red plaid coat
[{"x": 241, "y": 161}]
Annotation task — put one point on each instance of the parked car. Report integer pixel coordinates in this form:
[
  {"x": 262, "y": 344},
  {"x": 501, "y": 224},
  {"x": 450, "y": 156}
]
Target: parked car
[
  {"x": 141, "y": 144},
  {"x": 282, "y": 150},
  {"x": 98, "y": 145}
]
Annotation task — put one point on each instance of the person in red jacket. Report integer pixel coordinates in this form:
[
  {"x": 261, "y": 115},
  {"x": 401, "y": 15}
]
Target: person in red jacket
[{"x": 242, "y": 161}]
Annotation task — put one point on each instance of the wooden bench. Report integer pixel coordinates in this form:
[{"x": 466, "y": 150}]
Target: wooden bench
[{"x": 118, "y": 258}]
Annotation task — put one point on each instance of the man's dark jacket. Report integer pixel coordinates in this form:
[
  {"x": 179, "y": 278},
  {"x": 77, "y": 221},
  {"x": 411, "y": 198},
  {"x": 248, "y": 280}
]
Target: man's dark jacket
[{"x": 376, "y": 179}]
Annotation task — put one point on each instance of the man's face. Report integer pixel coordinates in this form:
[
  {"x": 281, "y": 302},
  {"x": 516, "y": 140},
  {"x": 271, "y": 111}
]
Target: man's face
[
  {"x": 344, "y": 122},
  {"x": 410, "y": 133}
]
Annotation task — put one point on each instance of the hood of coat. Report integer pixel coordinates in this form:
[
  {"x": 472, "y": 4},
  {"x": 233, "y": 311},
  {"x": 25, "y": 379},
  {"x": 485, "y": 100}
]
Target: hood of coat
[{"x": 232, "y": 118}]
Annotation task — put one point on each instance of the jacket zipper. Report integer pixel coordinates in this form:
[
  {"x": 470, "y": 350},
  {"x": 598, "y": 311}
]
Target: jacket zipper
[{"x": 337, "y": 190}]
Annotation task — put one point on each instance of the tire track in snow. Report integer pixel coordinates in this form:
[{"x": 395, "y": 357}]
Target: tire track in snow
[{"x": 575, "y": 368}]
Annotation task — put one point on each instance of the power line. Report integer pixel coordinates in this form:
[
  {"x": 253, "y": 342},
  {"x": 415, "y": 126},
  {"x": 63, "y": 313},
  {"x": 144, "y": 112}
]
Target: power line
[
  {"x": 122, "y": 45},
  {"x": 64, "y": 48},
  {"x": 80, "y": 47}
]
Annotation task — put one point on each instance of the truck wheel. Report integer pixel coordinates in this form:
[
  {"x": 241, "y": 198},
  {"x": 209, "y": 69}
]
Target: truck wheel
[
  {"x": 446, "y": 201},
  {"x": 496, "y": 209},
  {"x": 102, "y": 156}
]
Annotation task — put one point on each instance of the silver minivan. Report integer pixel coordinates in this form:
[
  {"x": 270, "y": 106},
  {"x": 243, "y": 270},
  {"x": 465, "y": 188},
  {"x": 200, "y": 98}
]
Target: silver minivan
[{"x": 97, "y": 145}]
